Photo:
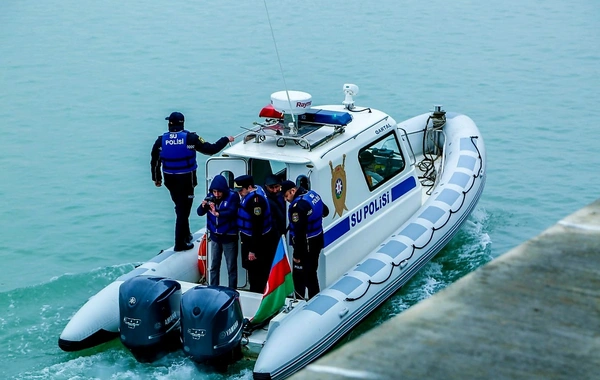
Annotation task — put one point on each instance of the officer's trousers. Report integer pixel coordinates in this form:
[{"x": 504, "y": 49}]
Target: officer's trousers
[{"x": 181, "y": 188}]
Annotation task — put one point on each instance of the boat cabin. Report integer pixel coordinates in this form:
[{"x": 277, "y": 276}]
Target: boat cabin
[{"x": 356, "y": 158}]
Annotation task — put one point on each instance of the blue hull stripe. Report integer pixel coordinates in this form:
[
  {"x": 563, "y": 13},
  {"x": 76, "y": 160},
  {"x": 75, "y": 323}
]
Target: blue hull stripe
[
  {"x": 333, "y": 233},
  {"x": 343, "y": 226},
  {"x": 403, "y": 187}
]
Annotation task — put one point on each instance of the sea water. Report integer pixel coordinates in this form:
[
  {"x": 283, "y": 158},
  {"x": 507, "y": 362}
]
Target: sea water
[{"x": 85, "y": 87}]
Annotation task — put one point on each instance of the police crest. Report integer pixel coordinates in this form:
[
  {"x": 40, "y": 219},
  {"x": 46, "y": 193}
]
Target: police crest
[{"x": 338, "y": 187}]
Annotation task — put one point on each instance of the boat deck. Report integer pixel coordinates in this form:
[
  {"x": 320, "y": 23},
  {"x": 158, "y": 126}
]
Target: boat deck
[{"x": 250, "y": 302}]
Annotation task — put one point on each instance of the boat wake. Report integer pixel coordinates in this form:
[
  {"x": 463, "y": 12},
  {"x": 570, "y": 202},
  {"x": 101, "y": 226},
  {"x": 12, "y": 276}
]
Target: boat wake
[
  {"x": 117, "y": 363},
  {"x": 467, "y": 251},
  {"x": 35, "y": 315}
]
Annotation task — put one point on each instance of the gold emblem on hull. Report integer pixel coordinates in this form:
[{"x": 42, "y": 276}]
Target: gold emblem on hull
[{"x": 338, "y": 187}]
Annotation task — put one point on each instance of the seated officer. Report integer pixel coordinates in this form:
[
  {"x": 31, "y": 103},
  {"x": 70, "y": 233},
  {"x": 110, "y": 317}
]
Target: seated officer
[{"x": 367, "y": 161}]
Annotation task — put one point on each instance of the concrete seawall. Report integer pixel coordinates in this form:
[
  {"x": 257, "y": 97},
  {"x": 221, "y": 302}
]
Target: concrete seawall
[{"x": 532, "y": 313}]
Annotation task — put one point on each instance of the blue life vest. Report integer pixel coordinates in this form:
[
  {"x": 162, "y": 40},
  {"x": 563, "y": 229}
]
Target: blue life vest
[
  {"x": 220, "y": 225},
  {"x": 245, "y": 219},
  {"x": 315, "y": 219},
  {"x": 175, "y": 155}
]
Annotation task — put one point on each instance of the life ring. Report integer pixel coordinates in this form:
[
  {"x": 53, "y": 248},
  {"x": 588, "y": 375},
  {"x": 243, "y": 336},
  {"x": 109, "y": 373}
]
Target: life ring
[{"x": 202, "y": 258}]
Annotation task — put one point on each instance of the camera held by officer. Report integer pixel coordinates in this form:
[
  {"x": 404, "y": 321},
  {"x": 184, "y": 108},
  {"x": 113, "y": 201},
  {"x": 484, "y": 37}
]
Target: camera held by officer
[{"x": 209, "y": 202}]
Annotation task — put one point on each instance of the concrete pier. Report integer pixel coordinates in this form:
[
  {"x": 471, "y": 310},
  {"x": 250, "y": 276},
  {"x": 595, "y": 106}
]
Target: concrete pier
[{"x": 532, "y": 313}]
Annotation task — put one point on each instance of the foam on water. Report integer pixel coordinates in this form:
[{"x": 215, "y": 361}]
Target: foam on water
[{"x": 117, "y": 363}]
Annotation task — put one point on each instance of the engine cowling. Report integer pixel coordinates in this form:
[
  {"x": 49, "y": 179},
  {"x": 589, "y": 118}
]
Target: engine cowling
[
  {"x": 211, "y": 325},
  {"x": 150, "y": 319}
]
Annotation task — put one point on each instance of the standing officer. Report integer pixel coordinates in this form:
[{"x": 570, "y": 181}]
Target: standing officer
[
  {"x": 176, "y": 151},
  {"x": 221, "y": 209},
  {"x": 306, "y": 213},
  {"x": 276, "y": 203},
  {"x": 259, "y": 241}
]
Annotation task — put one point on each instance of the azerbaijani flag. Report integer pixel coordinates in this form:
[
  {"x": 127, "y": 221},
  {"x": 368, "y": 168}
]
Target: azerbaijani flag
[{"x": 279, "y": 285}]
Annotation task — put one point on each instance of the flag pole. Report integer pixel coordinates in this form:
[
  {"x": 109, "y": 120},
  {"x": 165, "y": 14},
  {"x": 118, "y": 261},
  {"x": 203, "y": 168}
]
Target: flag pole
[{"x": 291, "y": 265}]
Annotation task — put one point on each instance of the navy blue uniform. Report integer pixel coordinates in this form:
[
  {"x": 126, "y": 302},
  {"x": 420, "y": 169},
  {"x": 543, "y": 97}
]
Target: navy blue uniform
[
  {"x": 306, "y": 233},
  {"x": 175, "y": 153},
  {"x": 277, "y": 205},
  {"x": 223, "y": 228},
  {"x": 257, "y": 236}
]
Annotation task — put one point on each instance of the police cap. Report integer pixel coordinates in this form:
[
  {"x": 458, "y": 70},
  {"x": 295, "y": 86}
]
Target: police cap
[
  {"x": 286, "y": 185},
  {"x": 272, "y": 180},
  {"x": 175, "y": 118},
  {"x": 244, "y": 181}
]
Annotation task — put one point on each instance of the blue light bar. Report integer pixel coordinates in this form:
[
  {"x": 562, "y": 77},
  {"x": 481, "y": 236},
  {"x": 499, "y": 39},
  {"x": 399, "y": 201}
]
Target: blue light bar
[{"x": 325, "y": 117}]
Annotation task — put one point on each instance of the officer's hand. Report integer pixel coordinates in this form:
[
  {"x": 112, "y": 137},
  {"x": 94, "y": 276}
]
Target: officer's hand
[
  {"x": 297, "y": 261},
  {"x": 231, "y": 138},
  {"x": 158, "y": 183},
  {"x": 251, "y": 256}
]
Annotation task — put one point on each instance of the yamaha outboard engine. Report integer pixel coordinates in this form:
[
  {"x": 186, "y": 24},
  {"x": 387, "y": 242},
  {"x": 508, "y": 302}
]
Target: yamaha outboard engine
[
  {"x": 211, "y": 325},
  {"x": 149, "y": 309}
]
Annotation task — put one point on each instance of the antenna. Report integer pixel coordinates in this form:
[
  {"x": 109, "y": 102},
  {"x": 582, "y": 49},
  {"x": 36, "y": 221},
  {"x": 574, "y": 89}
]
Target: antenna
[
  {"x": 350, "y": 90},
  {"x": 279, "y": 60}
]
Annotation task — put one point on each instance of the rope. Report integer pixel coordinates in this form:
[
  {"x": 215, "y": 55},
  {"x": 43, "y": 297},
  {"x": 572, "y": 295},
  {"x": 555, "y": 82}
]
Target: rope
[{"x": 427, "y": 165}]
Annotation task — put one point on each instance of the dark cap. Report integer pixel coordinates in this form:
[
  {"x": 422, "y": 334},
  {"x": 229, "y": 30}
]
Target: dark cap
[
  {"x": 286, "y": 185},
  {"x": 244, "y": 181},
  {"x": 175, "y": 118},
  {"x": 272, "y": 180},
  {"x": 366, "y": 157}
]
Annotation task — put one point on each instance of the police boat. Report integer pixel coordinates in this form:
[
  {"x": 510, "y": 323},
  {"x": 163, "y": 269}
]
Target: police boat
[{"x": 397, "y": 193}]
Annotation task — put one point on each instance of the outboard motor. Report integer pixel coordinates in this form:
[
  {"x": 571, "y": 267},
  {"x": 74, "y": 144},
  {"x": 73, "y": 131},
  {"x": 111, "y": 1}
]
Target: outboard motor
[
  {"x": 149, "y": 310},
  {"x": 211, "y": 325}
]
